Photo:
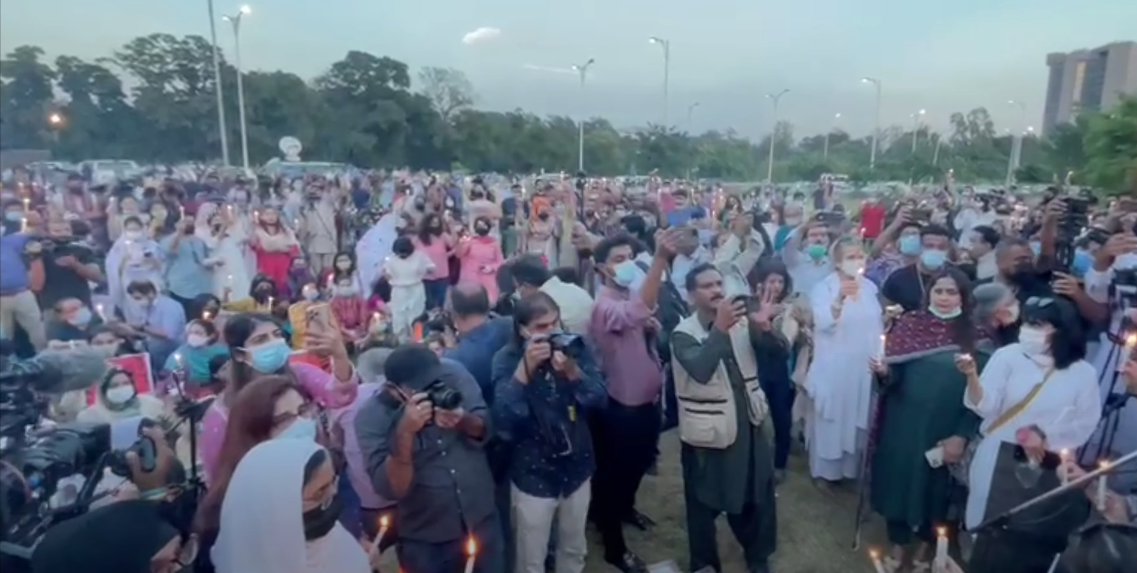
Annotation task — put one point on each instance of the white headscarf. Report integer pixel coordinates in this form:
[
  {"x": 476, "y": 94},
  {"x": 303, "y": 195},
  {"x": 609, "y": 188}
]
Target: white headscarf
[{"x": 262, "y": 528}]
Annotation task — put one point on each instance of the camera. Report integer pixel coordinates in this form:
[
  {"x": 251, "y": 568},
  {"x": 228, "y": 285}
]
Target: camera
[
  {"x": 572, "y": 345},
  {"x": 443, "y": 396}
]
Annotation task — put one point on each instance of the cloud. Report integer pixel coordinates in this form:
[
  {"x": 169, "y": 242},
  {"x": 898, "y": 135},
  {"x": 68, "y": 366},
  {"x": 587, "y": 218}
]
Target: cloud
[
  {"x": 548, "y": 69},
  {"x": 483, "y": 34}
]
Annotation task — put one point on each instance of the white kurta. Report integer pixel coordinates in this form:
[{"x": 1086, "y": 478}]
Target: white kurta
[
  {"x": 408, "y": 297},
  {"x": 1067, "y": 409},
  {"x": 839, "y": 380}
]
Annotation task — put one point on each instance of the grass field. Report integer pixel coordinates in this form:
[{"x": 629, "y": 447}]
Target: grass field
[{"x": 815, "y": 530}]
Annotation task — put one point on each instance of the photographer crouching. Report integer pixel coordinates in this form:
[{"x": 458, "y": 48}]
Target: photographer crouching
[
  {"x": 546, "y": 384},
  {"x": 423, "y": 441}
]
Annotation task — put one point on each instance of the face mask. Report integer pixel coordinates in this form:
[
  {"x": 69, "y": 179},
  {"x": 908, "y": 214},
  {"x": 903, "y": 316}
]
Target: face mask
[
  {"x": 269, "y": 357},
  {"x": 910, "y": 245},
  {"x": 133, "y": 235},
  {"x": 319, "y": 521},
  {"x": 301, "y": 429},
  {"x": 196, "y": 340},
  {"x": 1034, "y": 340},
  {"x": 311, "y": 295},
  {"x": 624, "y": 273},
  {"x": 933, "y": 258},
  {"x": 14, "y": 216},
  {"x": 482, "y": 231},
  {"x": 816, "y": 252},
  {"x": 120, "y": 394},
  {"x": 107, "y": 350},
  {"x": 954, "y": 313},
  {"x": 343, "y": 265},
  {"x": 793, "y": 221},
  {"x": 543, "y": 216},
  {"x": 1036, "y": 248},
  {"x": 82, "y": 317},
  {"x": 1083, "y": 261},
  {"x": 852, "y": 267}
]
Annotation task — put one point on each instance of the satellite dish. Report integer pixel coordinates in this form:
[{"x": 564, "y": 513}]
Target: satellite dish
[{"x": 290, "y": 147}]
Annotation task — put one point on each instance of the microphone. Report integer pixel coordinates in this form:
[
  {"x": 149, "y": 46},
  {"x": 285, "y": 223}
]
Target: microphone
[{"x": 62, "y": 371}]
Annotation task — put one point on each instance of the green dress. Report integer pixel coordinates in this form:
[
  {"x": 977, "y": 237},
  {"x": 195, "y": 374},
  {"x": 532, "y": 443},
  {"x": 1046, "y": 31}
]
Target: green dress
[{"x": 922, "y": 402}]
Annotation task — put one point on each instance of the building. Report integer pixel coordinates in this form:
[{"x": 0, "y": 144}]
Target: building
[{"x": 1088, "y": 80}]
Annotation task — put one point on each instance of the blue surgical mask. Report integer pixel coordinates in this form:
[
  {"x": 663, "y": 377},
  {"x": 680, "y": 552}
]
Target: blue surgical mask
[
  {"x": 1036, "y": 247},
  {"x": 82, "y": 317},
  {"x": 933, "y": 258},
  {"x": 945, "y": 315},
  {"x": 1083, "y": 261},
  {"x": 269, "y": 357},
  {"x": 301, "y": 429},
  {"x": 625, "y": 273},
  {"x": 14, "y": 216},
  {"x": 910, "y": 245}
]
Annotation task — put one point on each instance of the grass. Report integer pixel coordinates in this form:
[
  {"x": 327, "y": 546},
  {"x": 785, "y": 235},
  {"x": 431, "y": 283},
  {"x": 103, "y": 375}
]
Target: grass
[{"x": 815, "y": 530}]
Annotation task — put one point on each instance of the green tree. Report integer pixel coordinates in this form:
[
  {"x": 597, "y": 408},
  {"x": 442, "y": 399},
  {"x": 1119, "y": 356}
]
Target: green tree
[
  {"x": 1111, "y": 149},
  {"x": 25, "y": 98}
]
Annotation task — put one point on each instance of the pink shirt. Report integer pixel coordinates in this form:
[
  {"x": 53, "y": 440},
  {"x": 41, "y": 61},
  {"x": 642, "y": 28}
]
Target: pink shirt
[
  {"x": 629, "y": 363},
  {"x": 322, "y": 386},
  {"x": 438, "y": 253}
]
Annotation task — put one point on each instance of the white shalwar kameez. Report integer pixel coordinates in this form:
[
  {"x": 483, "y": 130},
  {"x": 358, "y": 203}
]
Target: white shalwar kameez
[
  {"x": 839, "y": 381},
  {"x": 408, "y": 297},
  {"x": 1066, "y": 409}
]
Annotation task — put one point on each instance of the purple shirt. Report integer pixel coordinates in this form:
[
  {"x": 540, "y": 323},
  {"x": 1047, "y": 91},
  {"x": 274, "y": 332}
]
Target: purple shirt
[
  {"x": 344, "y": 419},
  {"x": 322, "y": 386},
  {"x": 629, "y": 363}
]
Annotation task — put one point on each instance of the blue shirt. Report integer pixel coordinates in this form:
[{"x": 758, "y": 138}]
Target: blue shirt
[
  {"x": 539, "y": 467},
  {"x": 683, "y": 216},
  {"x": 14, "y": 271},
  {"x": 186, "y": 276},
  {"x": 476, "y": 350}
]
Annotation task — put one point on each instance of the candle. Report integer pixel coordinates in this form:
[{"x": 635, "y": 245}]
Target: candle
[
  {"x": 27, "y": 203},
  {"x": 206, "y": 316},
  {"x": 181, "y": 212},
  {"x": 384, "y": 523},
  {"x": 99, "y": 311},
  {"x": 1102, "y": 487},
  {"x": 877, "y": 565},
  {"x": 1064, "y": 455},
  {"x": 23, "y": 224},
  {"x": 941, "y": 549},
  {"x": 883, "y": 344},
  {"x": 178, "y": 360},
  {"x": 270, "y": 304},
  {"x": 256, "y": 214},
  {"x": 471, "y": 552}
]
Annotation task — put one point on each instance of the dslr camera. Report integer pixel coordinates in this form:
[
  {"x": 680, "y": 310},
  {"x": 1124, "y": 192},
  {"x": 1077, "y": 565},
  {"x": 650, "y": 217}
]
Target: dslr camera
[
  {"x": 442, "y": 396},
  {"x": 571, "y": 345}
]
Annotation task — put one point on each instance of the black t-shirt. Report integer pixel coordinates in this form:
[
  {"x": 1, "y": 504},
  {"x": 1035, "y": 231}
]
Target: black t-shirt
[
  {"x": 61, "y": 282},
  {"x": 906, "y": 285}
]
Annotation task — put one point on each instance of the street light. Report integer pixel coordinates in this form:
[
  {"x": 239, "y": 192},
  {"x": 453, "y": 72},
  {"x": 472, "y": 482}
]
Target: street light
[
  {"x": 916, "y": 117},
  {"x": 55, "y": 122},
  {"x": 666, "y": 44},
  {"x": 235, "y": 20},
  {"x": 876, "y": 125},
  {"x": 1015, "y": 160},
  {"x": 690, "y": 111},
  {"x": 582, "y": 69},
  {"x": 217, "y": 83},
  {"x": 773, "y": 134},
  {"x": 825, "y": 156},
  {"x": 55, "y": 119}
]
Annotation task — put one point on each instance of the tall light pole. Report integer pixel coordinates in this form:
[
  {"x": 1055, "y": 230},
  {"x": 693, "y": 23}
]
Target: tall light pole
[
  {"x": 666, "y": 44},
  {"x": 1017, "y": 139},
  {"x": 773, "y": 134},
  {"x": 217, "y": 83},
  {"x": 916, "y": 117},
  {"x": 825, "y": 157},
  {"x": 582, "y": 69},
  {"x": 691, "y": 111},
  {"x": 235, "y": 20},
  {"x": 876, "y": 124}
]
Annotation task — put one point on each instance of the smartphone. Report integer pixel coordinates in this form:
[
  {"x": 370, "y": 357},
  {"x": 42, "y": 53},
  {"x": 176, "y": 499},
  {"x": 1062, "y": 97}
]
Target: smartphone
[
  {"x": 935, "y": 457},
  {"x": 318, "y": 316}
]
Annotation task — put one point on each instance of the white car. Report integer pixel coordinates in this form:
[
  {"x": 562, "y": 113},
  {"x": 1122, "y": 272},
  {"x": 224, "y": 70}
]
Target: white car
[{"x": 107, "y": 171}]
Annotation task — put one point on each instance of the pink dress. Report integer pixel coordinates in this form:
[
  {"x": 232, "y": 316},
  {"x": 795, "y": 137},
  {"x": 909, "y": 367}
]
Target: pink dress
[
  {"x": 328, "y": 392},
  {"x": 481, "y": 257},
  {"x": 438, "y": 253}
]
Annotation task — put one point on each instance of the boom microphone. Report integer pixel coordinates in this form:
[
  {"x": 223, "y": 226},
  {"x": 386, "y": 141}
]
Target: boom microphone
[{"x": 59, "y": 371}]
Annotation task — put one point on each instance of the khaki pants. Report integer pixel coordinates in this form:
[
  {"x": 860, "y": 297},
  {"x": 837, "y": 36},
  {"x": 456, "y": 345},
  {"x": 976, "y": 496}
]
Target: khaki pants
[
  {"x": 320, "y": 262},
  {"x": 23, "y": 309},
  {"x": 533, "y": 520}
]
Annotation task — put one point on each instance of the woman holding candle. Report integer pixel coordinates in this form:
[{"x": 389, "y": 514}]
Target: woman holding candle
[
  {"x": 922, "y": 424},
  {"x": 480, "y": 257},
  {"x": 275, "y": 246},
  {"x": 225, "y": 237}
]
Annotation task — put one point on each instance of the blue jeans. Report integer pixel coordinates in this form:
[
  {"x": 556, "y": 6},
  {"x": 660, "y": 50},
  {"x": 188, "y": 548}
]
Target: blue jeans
[
  {"x": 436, "y": 292},
  {"x": 448, "y": 557},
  {"x": 352, "y": 515}
]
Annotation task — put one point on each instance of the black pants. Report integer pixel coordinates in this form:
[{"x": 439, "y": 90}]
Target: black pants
[
  {"x": 756, "y": 530},
  {"x": 624, "y": 438},
  {"x": 1013, "y": 552},
  {"x": 780, "y": 397}
]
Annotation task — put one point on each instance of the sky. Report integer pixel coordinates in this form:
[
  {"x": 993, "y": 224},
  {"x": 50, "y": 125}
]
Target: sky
[{"x": 726, "y": 55}]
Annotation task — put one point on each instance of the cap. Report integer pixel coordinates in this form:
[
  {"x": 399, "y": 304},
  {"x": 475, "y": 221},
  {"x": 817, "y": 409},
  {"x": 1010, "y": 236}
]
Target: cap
[{"x": 413, "y": 366}]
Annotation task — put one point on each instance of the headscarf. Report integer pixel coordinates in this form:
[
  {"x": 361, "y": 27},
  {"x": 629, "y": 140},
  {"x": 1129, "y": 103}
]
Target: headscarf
[
  {"x": 119, "y": 538},
  {"x": 262, "y": 528},
  {"x": 917, "y": 334}
]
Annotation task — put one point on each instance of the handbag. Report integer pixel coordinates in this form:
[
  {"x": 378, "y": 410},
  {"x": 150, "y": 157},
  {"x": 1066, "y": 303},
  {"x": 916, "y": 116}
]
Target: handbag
[{"x": 959, "y": 471}]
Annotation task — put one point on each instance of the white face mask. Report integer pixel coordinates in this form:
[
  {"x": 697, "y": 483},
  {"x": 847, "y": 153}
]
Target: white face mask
[
  {"x": 852, "y": 267},
  {"x": 1034, "y": 340},
  {"x": 120, "y": 394},
  {"x": 196, "y": 340}
]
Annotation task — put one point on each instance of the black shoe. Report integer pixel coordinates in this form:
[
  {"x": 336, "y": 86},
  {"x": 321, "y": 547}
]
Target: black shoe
[
  {"x": 628, "y": 563},
  {"x": 639, "y": 521},
  {"x": 759, "y": 568}
]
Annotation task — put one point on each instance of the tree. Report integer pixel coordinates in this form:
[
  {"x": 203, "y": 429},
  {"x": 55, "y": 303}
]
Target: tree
[
  {"x": 447, "y": 89},
  {"x": 1111, "y": 149},
  {"x": 25, "y": 99}
]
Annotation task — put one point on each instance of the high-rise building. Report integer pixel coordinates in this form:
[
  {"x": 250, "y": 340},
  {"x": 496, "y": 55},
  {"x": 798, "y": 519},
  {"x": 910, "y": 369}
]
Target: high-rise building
[{"x": 1088, "y": 80}]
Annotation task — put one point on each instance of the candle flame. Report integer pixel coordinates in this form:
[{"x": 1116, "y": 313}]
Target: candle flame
[
  {"x": 1064, "y": 452},
  {"x": 1104, "y": 464},
  {"x": 1131, "y": 340},
  {"x": 384, "y": 521},
  {"x": 206, "y": 316},
  {"x": 874, "y": 554},
  {"x": 941, "y": 531},
  {"x": 471, "y": 547},
  {"x": 178, "y": 358}
]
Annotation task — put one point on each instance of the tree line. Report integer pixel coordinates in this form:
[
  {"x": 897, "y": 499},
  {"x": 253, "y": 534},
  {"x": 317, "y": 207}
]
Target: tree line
[{"x": 364, "y": 110}]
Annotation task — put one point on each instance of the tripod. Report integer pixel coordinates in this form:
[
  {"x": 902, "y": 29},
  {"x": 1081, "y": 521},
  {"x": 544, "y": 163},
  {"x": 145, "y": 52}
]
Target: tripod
[
  {"x": 190, "y": 412},
  {"x": 1120, "y": 341}
]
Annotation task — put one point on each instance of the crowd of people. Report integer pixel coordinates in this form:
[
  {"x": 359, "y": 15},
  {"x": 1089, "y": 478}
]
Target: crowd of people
[{"x": 479, "y": 371}]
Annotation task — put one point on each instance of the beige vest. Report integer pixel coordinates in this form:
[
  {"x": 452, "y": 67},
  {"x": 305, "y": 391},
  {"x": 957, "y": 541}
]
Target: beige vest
[{"x": 707, "y": 417}]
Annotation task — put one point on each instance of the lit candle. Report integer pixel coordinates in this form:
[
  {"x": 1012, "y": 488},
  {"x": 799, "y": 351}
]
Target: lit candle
[
  {"x": 384, "y": 523},
  {"x": 1102, "y": 487},
  {"x": 941, "y": 549},
  {"x": 23, "y": 224},
  {"x": 883, "y": 344},
  {"x": 27, "y": 203},
  {"x": 1064, "y": 455},
  {"x": 877, "y": 565},
  {"x": 471, "y": 552},
  {"x": 256, "y": 214},
  {"x": 270, "y": 304},
  {"x": 178, "y": 360},
  {"x": 99, "y": 311},
  {"x": 181, "y": 212},
  {"x": 206, "y": 316}
]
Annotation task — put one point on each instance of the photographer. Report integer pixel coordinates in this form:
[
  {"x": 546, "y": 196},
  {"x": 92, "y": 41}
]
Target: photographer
[
  {"x": 545, "y": 392},
  {"x": 69, "y": 267},
  {"x": 422, "y": 440}
]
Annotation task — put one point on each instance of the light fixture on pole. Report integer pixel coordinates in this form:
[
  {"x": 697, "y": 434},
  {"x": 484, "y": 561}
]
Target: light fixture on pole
[
  {"x": 235, "y": 20},
  {"x": 773, "y": 134},
  {"x": 691, "y": 111},
  {"x": 876, "y": 123},
  {"x": 825, "y": 154},
  {"x": 222, "y": 128},
  {"x": 666, "y": 45},
  {"x": 916, "y": 117},
  {"x": 582, "y": 69},
  {"x": 1017, "y": 140}
]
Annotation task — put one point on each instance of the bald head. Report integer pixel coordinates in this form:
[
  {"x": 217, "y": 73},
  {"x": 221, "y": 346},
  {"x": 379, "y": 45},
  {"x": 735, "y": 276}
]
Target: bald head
[{"x": 469, "y": 299}]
